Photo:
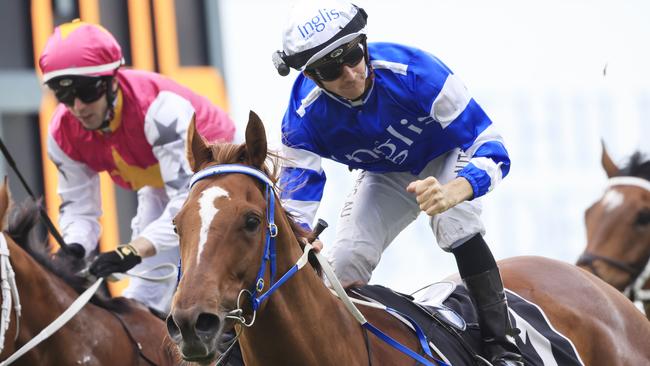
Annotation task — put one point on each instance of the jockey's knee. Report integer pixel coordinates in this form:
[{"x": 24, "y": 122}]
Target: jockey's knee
[{"x": 354, "y": 263}]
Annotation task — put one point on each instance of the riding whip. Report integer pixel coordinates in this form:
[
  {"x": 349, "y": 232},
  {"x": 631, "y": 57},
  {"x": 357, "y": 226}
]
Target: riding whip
[
  {"x": 320, "y": 226},
  {"x": 46, "y": 219}
]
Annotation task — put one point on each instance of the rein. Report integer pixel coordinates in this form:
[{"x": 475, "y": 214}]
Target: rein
[
  {"x": 256, "y": 295},
  {"x": 68, "y": 314},
  {"x": 72, "y": 310},
  {"x": 60, "y": 321},
  {"x": 639, "y": 273}
]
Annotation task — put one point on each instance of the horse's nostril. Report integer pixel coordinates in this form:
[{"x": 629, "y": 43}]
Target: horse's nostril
[
  {"x": 172, "y": 328},
  {"x": 207, "y": 324}
]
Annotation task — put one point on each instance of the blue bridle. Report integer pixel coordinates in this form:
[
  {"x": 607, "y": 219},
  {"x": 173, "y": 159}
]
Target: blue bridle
[{"x": 257, "y": 297}]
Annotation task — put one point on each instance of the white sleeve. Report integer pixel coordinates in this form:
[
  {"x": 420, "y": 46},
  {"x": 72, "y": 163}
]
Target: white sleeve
[
  {"x": 78, "y": 187},
  {"x": 165, "y": 127},
  {"x": 151, "y": 204}
]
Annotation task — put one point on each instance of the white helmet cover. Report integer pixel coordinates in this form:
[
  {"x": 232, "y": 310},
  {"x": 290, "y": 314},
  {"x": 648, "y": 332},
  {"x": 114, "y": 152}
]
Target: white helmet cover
[{"x": 315, "y": 30}]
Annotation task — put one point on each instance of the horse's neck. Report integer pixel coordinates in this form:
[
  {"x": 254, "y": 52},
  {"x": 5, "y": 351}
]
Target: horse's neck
[
  {"x": 299, "y": 315},
  {"x": 35, "y": 282},
  {"x": 29, "y": 271},
  {"x": 44, "y": 296}
]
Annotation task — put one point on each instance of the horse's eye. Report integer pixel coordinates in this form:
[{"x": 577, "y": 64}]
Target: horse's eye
[
  {"x": 643, "y": 219},
  {"x": 252, "y": 223}
]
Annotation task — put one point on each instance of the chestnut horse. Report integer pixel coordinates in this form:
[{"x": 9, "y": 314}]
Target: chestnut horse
[
  {"x": 618, "y": 230},
  {"x": 229, "y": 222},
  {"x": 125, "y": 335}
]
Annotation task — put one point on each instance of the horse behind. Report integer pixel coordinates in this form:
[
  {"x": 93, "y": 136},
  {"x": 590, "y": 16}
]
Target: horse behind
[
  {"x": 104, "y": 332},
  {"x": 229, "y": 221},
  {"x": 618, "y": 230}
]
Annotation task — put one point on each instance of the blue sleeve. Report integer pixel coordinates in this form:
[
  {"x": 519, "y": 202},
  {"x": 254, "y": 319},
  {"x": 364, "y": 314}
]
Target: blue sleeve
[
  {"x": 444, "y": 97},
  {"x": 302, "y": 178}
]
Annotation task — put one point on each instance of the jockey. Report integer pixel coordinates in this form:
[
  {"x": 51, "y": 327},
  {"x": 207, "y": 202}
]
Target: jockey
[
  {"x": 131, "y": 124},
  {"x": 420, "y": 141}
]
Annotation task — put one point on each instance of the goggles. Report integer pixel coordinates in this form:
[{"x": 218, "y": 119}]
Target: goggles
[
  {"x": 333, "y": 68},
  {"x": 87, "y": 91}
]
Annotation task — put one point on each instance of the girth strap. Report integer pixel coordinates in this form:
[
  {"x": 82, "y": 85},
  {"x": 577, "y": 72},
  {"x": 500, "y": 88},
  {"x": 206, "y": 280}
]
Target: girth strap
[{"x": 136, "y": 344}]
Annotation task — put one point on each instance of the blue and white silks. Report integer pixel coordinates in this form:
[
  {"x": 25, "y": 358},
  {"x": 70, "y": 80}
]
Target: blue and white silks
[{"x": 415, "y": 111}]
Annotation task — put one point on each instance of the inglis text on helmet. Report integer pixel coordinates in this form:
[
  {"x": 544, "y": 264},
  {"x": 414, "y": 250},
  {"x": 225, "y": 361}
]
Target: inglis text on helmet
[{"x": 317, "y": 23}]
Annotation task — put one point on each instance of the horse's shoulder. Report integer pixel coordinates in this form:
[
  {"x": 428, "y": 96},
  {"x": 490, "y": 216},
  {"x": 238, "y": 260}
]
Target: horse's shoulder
[{"x": 146, "y": 330}]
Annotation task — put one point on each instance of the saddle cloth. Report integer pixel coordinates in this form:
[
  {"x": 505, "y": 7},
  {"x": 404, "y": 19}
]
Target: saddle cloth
[{"x": 449, "y": 320}]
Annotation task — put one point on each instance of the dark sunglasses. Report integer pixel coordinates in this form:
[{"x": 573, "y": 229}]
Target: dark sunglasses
[
  {"x": 332, "y": 69},
  {"x": 87, "y": 92}
]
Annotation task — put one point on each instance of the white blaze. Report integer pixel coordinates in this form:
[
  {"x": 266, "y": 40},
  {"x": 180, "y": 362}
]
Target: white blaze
[
  {"x": 613, "y": 199},
  {"x": 207, "y": 211}
]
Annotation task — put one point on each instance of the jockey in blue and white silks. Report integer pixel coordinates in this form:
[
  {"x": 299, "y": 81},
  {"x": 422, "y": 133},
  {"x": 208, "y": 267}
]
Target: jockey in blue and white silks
[
  {"x": 416, "y": 110},
  {"x": 420, "y": 141}
]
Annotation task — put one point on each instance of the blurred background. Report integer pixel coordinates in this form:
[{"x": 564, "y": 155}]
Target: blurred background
[{"x": 556, "y": 77}]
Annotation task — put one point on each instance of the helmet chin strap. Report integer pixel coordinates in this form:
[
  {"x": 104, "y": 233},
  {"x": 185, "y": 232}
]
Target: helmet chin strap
[
  {"x": 110, "y": 102},
  {"x": 370, "y": 73}
]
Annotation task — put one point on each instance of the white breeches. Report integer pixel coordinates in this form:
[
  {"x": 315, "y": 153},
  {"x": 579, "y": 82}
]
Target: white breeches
[
  {"x": 379, "y": 208},
  {"x": 157, "y": 295}
]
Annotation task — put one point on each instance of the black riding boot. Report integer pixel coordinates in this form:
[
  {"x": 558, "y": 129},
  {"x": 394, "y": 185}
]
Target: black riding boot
[{"x": 486, "y": 289}]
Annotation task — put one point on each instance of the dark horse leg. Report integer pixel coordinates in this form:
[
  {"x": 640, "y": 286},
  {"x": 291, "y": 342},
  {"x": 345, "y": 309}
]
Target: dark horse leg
[{"x": 480, "y": 274}]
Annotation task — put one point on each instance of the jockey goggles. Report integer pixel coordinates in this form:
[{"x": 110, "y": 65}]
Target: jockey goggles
[
  {"x": 332, "y": 68},
  {"x": 86, "y": 89}
]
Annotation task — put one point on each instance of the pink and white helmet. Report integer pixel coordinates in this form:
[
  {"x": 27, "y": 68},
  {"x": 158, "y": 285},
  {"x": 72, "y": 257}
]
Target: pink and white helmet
[{"x": 79, "y": 48}]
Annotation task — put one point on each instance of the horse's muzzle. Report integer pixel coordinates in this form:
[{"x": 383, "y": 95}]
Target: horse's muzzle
[{"x": 196, "y": 333}]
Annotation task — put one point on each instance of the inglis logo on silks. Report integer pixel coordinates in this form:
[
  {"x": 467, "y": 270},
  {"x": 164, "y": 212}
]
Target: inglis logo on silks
[
  {"x": 396, "y": 146},
  {"x": 317, "y": 23}
]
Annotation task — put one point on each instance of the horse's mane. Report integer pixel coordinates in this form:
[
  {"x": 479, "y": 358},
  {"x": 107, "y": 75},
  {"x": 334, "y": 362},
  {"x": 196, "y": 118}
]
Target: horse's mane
[
  {"x": 227, "y": 153},
  {"x": 23, "y": 220},
  {"x": 637, "y": 166}
]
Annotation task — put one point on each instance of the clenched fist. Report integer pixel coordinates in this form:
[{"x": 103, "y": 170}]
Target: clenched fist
[{"x": 435, "y": 198}]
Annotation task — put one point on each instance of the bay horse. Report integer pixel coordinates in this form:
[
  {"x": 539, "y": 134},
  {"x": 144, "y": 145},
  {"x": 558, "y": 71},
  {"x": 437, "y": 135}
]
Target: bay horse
[
  {"x": 618, "y": 229},
  {"x": 225, "y": 227},
  {"x": 103, "y": 332}
]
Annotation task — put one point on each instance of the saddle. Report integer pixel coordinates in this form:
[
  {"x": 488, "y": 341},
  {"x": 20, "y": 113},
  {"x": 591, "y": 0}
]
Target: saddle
[{"x": 445, "y": 313}]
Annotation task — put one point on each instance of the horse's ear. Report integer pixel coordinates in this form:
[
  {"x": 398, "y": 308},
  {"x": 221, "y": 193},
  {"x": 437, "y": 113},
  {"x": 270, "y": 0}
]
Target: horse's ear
[
  {"x": 197, "y": 150},
  {"x": 255, "y": 141},
  {"x": 610, "y": 168},
  {"x": 4, "y": 203}
]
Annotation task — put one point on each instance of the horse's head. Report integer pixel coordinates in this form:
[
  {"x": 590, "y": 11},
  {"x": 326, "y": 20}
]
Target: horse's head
[
  {"x": 222, "y": 228},
  {"x": 618, "y": 225}
]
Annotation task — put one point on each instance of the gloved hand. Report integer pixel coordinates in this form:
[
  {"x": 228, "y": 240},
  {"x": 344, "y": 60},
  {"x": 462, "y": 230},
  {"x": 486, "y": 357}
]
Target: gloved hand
[
  {"x": 72, "y": 258},
  {"x": 121, "y": 259}
]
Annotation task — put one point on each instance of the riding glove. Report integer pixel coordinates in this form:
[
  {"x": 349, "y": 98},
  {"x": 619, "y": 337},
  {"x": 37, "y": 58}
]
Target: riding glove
[{"x": 121, "y": 259}]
